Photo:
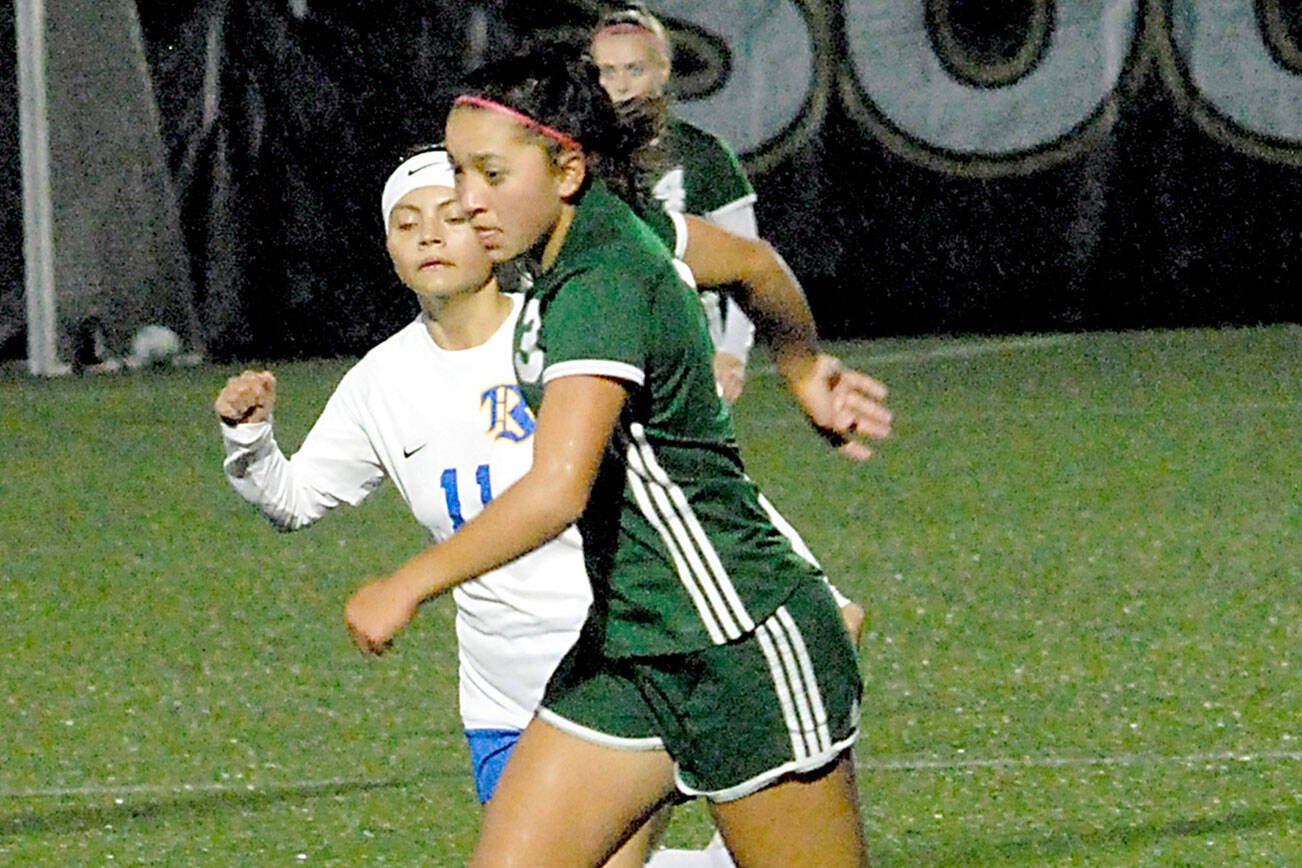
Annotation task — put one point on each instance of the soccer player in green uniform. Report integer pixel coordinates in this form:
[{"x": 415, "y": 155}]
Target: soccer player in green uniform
[
  {"x": 714, "y": 661},
  {"x": 701, "y": 174}
]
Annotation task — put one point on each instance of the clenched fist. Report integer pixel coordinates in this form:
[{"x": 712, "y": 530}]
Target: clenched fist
[
  {"x": 376, "y": 612},
  {"x": 248, "y": 397}
]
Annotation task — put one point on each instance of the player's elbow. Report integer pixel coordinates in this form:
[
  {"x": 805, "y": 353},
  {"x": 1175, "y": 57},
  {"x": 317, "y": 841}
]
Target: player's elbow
[
  {"x": 568, "y": 505},
  {"x": 560, "y": 493},
  {"x": 753, "y": 265},
  {"x": 285, "y": 523},
  {"x": 286, "y": 518}
]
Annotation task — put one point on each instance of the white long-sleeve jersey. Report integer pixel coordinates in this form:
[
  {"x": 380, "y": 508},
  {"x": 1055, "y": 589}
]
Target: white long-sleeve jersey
[
  {"x": 730, "y": 328},
  {"x": 451, "y": 430}
]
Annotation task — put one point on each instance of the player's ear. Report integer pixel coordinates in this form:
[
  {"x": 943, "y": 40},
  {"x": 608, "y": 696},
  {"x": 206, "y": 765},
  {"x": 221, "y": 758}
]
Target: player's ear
[{"x": 572, "y": 167}]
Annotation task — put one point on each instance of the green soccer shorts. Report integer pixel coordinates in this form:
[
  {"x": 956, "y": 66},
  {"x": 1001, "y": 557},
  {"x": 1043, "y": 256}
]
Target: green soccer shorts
[{"x": 736, "y": 717}]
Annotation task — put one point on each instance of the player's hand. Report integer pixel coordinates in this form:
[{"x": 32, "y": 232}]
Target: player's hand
[
  {"x": 855, "y": 619},
  {"x": 376, "y": 612},
  {"x": 248, "y": 397},
  {"x": 844, "y": 405},
  {"x": 730, "y": 373}
]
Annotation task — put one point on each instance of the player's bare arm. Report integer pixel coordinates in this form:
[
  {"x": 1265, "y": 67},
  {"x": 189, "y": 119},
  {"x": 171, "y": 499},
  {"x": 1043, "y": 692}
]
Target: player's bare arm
[
  {"x": 575, "y": 419},
  {"x": 844, "y": 404}
]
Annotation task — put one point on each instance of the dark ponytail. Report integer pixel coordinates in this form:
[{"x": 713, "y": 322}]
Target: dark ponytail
[{"x": 557, "y": 85}]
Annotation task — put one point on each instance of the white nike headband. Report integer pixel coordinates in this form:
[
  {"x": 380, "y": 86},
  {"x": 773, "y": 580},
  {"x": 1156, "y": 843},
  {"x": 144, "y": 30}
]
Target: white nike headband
[{"x": 427, "y": 169}]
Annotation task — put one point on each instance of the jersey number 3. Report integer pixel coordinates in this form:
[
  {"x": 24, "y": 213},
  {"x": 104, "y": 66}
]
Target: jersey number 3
[
  {"x": 528, "y": 357},
  {"x": 450, "y": 492}
]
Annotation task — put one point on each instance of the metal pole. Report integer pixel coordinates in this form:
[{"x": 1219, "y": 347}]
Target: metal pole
[{"x": 38, "y": 225}]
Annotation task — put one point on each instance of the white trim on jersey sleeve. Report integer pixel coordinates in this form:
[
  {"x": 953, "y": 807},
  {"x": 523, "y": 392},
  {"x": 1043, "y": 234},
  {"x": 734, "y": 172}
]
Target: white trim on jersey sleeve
[
  {"x": 680, "y": 232},
  {"x": 594, "y": 368},
  {"x": 737, "y": 216}
]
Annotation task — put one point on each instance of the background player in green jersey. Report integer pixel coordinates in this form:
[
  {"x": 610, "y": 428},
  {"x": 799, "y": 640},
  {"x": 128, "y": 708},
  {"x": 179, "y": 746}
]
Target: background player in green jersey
[
  {"x": 714, "y": 661},
  {"x": 701, "y": 174}
]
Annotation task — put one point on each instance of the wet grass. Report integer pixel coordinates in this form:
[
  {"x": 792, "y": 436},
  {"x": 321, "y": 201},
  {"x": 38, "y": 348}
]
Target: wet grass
[{"x": 1082, "y": 558}]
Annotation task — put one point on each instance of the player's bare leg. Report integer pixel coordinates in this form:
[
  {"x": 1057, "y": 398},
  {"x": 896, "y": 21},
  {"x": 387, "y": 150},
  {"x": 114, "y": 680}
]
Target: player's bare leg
[
  {"x": 636, "y": 849},
  {"x": 633, "y": 853},
  {"x": 563, "y": 801},
  {"x": 797, "y": 822}
]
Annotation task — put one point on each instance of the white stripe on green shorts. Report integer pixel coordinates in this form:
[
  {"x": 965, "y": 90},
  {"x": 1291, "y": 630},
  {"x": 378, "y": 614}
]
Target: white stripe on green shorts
[
  {"x": 665, "y": 507},
  {"x": 797, "y": 691}
]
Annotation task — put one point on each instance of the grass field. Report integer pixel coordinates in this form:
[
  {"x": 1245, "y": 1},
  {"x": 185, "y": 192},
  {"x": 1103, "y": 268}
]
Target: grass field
[{"x": 1082, "y": 556}]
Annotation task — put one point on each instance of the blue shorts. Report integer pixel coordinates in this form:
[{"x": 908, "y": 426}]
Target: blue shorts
[{"x": 489, "y": 750}]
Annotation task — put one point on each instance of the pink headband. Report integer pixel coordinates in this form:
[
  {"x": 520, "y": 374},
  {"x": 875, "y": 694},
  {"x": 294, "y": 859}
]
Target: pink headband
[{"x": 550, "y": 132}]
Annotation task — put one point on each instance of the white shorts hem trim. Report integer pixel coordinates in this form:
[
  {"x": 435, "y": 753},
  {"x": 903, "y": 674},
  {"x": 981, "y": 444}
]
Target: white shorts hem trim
[
  {"x": 596, "y": 736},
  {"x": 762, "y": 780}
]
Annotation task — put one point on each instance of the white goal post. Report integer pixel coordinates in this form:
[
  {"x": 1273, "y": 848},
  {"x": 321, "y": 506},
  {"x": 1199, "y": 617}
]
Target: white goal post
[
  {"x": 103, "y": 249},
  {"x": 38, "y": 231}
]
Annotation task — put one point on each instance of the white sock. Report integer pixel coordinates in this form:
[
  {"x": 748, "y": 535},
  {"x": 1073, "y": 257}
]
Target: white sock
[
  {"x": 718, "y": 853},
  {"x": 669, "y": 858},
  {"x": 715, "y": 855}
]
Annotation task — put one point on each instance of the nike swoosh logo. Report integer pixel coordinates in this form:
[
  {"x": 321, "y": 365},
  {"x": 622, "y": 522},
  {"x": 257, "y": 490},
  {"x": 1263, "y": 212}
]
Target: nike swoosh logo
[
  {"x": 411, "y": 172},
  {"x": 408, "y": 453}
]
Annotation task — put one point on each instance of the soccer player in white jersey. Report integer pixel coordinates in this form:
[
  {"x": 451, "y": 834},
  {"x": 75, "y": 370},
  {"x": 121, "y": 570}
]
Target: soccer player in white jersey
[
  {"x": 436, "y": 408},
  {"x": 704, "y": 177}
]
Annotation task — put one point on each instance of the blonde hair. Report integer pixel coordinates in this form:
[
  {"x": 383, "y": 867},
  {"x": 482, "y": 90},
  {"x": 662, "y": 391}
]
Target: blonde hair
[{"x": 635, "y": 16}]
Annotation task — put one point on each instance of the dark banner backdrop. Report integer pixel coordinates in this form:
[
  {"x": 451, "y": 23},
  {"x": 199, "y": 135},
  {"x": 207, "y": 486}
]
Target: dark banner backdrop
[{"x": 924, "y": 165}]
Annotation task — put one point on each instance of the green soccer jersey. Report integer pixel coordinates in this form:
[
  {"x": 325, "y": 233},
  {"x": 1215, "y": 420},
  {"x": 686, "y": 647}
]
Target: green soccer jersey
[
  {"x": 680, "y": 552},
  {"x": 704, "y": 176}
]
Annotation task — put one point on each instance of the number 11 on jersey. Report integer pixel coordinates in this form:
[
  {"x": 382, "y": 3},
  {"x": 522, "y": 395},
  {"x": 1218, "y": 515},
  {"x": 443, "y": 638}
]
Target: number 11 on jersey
[{"x": 448, "y": 480}]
